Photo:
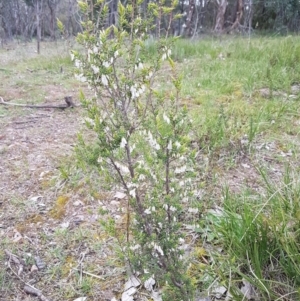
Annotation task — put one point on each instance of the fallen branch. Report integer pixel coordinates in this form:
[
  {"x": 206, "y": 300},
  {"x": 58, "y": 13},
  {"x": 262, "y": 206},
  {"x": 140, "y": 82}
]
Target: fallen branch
[{"x": 68, "y": 100}]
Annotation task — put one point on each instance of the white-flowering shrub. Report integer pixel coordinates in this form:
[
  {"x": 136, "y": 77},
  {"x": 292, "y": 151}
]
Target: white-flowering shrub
[{"x": 142, "y": 142}]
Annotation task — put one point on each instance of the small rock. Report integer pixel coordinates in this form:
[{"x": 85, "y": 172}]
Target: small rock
[
  {"x": 78, "y": 203},
  {"x": 34, "y": 268}
]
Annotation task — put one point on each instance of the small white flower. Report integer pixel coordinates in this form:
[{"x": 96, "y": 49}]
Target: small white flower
[
  {"x": 116, "y": 53},
  {"x": 142, "y": 177},
  {"x": 95, "y": 49},
  {"x": 181, "y": 240},
  {"x": 193, "y": 210},
  {"x": 143, "y": 88},
  {"x": 123, "y": 142},
  {"x": 133, "y": 91},
  {"x": 135, "y": 247},
  {"x": 123, "y": 168},
  {"x": 173, "y": 209},
  {"x": 158, "y": 249},
  {"x": 166, "y": 118},
  {"x": 148, "y": 211},
  {"x": 78, "y": 63},
  {"x": 149, "y": 75},
  {"x": 177, "y": 144},
  {"x": 132, "y": 193},
  {"x": 95, "y": 69},
  {"x": 89, "y": 121},
  {"x": 164, "y": 56},
  {"x": 169, "y": 52},
  {"x": 181, "y": 169},
  {"x": 72, "y": 56},
  {"x": 169, "y": 147},
  {"x": 89, "y": 52},
  {"x": 152, "y": 141},
  {"x": 104, "y": 80},
  {"x": 81, "y": 78},
  {"x": 106, "y": 64},
  {"x": 153, "y": 209}
]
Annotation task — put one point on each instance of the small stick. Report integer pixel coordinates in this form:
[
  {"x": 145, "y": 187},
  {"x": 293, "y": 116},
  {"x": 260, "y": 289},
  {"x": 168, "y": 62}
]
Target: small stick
[{"x": 68, "y": 100}]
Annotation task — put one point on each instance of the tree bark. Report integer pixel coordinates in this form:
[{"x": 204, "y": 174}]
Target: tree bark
[
  {"x": 222, "y": 5},
  {"x": 248, "y": 15},
  {"x": 52, "y": 4},
  {"x": 38, "y": 8},
  {"x": 239, "y": 14},
  {"x": 189, "y": 17}
]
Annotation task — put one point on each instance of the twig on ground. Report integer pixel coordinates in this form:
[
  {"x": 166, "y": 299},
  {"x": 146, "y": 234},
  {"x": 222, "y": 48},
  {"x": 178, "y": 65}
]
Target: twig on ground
[
  {"x": 68, "y": 100},
  {"x": 89, "y": 274}
]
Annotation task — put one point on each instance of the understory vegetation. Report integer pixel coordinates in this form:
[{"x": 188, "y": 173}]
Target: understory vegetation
[{"x": 239, "y": 240}]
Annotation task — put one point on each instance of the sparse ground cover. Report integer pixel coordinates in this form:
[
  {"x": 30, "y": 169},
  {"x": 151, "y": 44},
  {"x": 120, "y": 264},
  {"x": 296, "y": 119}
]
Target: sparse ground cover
[{"x": 243, "y": 95}]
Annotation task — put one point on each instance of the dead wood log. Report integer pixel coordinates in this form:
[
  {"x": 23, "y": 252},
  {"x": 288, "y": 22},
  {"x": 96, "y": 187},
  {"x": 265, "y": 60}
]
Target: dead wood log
[{"x": 68, "y": 100}]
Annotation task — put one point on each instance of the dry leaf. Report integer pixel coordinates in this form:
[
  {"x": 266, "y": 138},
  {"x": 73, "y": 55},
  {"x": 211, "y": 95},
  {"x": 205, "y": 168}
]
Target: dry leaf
[
  {"x": 81, "y": 299},
  {"x": 128, "y": 295},
  {"x": 132, "y": 282},
  {"x": 149, "y": 283},
  {"x": 119, "y": 195}
]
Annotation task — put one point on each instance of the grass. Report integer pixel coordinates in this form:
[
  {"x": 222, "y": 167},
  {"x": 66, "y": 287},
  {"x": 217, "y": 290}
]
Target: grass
[
  {"x": 245, "y": 139},
  {"x": 260, "y": 236}
]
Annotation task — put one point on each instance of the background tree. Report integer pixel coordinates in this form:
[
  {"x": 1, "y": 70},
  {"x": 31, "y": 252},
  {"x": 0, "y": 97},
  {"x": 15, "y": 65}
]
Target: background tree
[{"x": 27, "y": 19}]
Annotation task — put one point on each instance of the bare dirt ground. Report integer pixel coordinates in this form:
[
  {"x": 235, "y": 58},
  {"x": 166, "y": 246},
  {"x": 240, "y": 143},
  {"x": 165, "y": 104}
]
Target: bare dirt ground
[{"x": 41, "y": 220}]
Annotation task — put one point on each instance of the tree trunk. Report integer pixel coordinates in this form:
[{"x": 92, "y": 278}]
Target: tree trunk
[
  {"x": 239, "y": 14},
  {"x": 38, "y": 24},
  {"x": 248, "y": 15},
  {"x": 52, "y": 7},
  {"x": 189, "y": 17},
  {"x": 222, "y": 5}
]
